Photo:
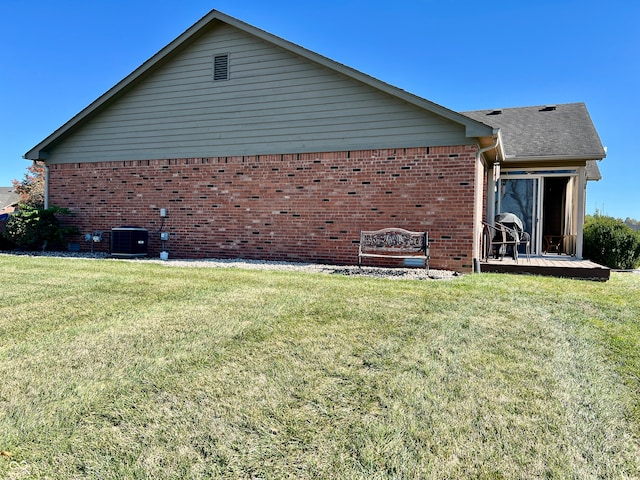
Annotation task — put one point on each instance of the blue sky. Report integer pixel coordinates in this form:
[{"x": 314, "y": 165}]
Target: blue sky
[{"x": 57, "y": 57}]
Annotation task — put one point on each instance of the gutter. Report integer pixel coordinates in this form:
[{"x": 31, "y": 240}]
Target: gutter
[{"x": 532, "y": 158}]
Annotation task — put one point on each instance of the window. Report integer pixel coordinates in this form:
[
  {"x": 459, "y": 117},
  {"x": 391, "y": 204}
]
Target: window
[{"x": 221, "y": 67}]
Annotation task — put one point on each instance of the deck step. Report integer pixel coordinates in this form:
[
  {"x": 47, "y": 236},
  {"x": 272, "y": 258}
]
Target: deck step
[{"x": 565, "y": 267}]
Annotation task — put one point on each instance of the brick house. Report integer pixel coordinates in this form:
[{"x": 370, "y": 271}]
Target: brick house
[{"x": 259, "y": 148}]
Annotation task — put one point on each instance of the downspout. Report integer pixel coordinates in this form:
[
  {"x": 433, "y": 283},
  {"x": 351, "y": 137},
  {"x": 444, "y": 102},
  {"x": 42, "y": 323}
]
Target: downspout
[
  {"x": 498, "y": 140},
  {"x": 497, "y": 136},
  {"x": 46, "y": 186},
  {"x": 491, "y": 204}
]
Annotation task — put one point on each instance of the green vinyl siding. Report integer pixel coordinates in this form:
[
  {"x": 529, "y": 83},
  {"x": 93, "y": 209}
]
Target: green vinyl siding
[{"x": 273, "y": 102}]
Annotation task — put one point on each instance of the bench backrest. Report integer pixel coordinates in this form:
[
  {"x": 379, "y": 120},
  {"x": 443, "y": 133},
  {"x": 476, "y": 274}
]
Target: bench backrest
[{"x": 393, "y": 241}]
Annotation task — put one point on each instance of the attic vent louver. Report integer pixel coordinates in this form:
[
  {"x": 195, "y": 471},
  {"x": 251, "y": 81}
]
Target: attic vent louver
[
  {"x": 221, "y": 67},
  {"x": 548, "y": 108}
]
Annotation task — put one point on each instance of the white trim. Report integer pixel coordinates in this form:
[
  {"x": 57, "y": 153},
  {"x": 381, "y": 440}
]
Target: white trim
[{"x": 546, "y": 158}]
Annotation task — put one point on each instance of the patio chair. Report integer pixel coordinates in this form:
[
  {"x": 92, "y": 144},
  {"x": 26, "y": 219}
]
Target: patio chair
[
  {"x": 495, "y": 241},
  {"x": 507, "y": 233},
  {"x": 525, "y": 240}
]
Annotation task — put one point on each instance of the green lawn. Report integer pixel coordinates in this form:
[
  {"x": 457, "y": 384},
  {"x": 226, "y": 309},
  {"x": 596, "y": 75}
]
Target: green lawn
[{"x": 112, "y": 369}]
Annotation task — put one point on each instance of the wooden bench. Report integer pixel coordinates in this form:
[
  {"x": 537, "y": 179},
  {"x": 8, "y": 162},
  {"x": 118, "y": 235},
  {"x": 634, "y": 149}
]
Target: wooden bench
[{"x": 394, "y": 243}]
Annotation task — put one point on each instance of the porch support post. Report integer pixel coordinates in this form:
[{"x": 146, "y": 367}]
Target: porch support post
[{"x": 582, "y": 208}]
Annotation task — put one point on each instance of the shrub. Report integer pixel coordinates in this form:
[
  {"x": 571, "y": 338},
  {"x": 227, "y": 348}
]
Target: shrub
[
  {"x": 5, "y": 244},
  {"x": 33, "y": 228},
  {"x": 610, "y": 242}
]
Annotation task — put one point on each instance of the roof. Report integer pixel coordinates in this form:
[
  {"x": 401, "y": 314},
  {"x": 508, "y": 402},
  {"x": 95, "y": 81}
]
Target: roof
[
  {"x": 563, "y": 131},
  {"x": 8, "y": 197},
  {"x": 473, "y": 128}
]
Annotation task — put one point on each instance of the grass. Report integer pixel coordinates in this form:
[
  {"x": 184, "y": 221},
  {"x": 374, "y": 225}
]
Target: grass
[{"x": 134, "y": 370}]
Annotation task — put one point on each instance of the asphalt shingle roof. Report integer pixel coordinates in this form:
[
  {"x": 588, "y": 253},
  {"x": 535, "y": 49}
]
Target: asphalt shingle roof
[{"x": 562, "y": 131}]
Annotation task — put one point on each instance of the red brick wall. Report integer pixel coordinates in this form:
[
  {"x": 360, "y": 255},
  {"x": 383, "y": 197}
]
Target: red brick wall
[{"x": 298, "y": 207}]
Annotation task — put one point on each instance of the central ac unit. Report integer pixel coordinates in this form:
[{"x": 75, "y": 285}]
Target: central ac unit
[{"x": 129, "y": 242}]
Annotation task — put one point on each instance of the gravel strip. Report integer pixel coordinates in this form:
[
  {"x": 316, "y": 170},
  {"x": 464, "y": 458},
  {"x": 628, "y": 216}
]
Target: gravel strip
[{"x": 349, "y": 270}]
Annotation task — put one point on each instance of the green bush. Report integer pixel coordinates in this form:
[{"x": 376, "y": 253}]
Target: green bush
[
  {"x": 610, "y": 242},
  {"x": 34, "y": 228},
  {"x": 5, "y": 244}
]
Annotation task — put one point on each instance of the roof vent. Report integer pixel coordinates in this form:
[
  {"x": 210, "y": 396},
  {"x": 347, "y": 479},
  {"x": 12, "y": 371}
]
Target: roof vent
[
  {"x": 495, "y": 112},
  {"x": 221, "y": 67},
  {"x": 548, "y": 108}
]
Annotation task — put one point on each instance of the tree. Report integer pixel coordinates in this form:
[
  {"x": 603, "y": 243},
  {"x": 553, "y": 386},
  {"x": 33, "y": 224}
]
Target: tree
[{"x": 31, "y": 187}]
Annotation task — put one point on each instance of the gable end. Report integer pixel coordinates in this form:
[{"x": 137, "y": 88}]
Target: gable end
[{"x": 143, "y": 116}]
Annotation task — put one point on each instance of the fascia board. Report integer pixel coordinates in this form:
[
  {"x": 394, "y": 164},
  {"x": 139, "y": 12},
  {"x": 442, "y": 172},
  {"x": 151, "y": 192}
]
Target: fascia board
[{"x": 517, "y": 158}]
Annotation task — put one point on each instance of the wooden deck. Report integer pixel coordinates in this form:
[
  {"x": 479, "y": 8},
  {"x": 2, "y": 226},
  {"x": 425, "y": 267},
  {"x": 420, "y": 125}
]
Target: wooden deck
[{"x": 548, "y": 265}]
